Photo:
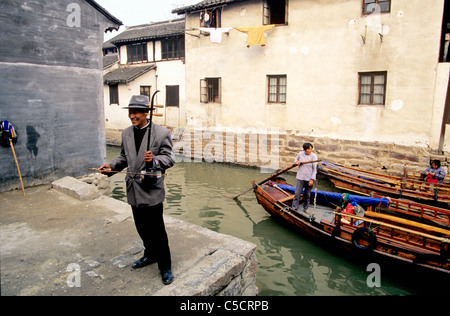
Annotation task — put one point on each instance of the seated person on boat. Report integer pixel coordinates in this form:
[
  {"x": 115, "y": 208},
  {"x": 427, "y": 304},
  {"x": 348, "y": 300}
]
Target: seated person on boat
[{"x": 434, "y": 173}]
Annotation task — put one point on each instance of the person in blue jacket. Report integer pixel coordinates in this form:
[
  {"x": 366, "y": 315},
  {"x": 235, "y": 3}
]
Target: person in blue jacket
[{"x": 434, "y": 173}]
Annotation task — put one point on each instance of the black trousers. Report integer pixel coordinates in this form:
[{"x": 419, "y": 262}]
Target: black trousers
[{"x": 150, "y": 227}]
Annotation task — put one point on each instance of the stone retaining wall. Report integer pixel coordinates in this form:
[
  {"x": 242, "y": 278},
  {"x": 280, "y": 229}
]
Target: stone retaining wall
[
  {"x": 373, "y": 156},
  {"x": 275, "y": 149}
]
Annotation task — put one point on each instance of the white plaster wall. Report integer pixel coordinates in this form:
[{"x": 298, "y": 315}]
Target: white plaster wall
[
  {"x": 123, "y": 55},
  {"x": 171, "y": 73},
  {"x": 166, "y": 73},
  {"x": 116, "y": 116},
  {"x": 321, "y": 51}
]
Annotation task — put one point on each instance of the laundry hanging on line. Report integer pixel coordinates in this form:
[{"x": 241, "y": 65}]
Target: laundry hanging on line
[
  {"x": 256, "y": 34},
  {"x": 207, "y": 20},
  {"x": 215, "y": 33}
]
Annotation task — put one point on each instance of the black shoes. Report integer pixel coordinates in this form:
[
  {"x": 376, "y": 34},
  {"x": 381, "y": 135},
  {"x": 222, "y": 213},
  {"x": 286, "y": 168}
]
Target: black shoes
[
  {"x": 144, "y": 261},
  {"x": 167, "y": 277}
]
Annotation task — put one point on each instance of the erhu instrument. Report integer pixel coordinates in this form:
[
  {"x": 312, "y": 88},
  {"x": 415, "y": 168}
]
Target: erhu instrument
[{"x": 151, "y": 173}]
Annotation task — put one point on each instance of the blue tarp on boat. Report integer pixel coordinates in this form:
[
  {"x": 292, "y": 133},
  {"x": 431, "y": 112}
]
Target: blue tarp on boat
[{"x": 334, "y": 197}]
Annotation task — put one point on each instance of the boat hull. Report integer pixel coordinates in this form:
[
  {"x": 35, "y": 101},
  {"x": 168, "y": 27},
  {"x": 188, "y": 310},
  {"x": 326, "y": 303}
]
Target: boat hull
[{"x": 378, "y": 243}]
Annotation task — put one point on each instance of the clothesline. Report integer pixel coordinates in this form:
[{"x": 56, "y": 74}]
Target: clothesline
[{"x": 255, "y": 34}]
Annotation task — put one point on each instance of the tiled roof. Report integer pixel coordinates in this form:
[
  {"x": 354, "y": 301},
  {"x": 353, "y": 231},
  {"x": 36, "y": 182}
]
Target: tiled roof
[
  {"x": 107, "y": 45},
  {"x": 150, "y": 31},
  {"x": 110, "y": 60},
  {"x": 126, "y": 74},
  {"x": 204, "y": 5}
]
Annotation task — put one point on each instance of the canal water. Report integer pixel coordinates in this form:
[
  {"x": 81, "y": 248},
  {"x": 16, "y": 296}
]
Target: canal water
[{"x": 289, "y": 263}]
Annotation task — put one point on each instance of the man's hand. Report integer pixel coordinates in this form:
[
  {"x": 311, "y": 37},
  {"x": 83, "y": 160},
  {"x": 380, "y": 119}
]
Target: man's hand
[
  {"x": 148, "y": 156},
  {"x": 105, "y": 168}
]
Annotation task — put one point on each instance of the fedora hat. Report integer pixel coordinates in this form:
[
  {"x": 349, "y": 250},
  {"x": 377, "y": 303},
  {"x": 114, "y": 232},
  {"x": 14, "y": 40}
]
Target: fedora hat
[{"x": 139, "y": 102}]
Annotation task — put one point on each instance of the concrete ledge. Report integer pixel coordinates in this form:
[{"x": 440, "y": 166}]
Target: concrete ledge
[
  {"x": 224, "y": 265},
  {"x": 76, "y": 188},
  {"x": 48, "y": 231}
]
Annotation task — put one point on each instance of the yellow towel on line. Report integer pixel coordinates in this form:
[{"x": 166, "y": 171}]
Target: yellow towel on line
[{"x": 255, "y": 34}]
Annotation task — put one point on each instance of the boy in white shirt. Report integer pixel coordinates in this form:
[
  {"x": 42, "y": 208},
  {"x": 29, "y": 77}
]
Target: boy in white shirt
[{"x": 306, "y": 175}]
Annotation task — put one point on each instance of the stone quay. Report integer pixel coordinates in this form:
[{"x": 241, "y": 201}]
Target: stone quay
[{"x": 69, "y": 239}]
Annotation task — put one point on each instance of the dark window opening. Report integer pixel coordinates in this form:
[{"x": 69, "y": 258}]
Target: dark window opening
[
  {"x": 145, "y": 90},
  {"x": 381, "y": 6},
  {"x": 172, "y": 95},
  {"x": 114, "y": 94},
  {"x": 172, "y": 48},
  {"x": 445, "y": 35},
  {"x": 137, "y": 53},
  {"x": 275, "y": 12},
  {"x": 210, "y": 90},
  {"x": 211, "y": 18}
]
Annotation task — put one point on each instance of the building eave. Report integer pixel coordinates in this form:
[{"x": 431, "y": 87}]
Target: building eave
[
  {"x": 108, "y": 15},
  {"x": 206, "y": 4},
  {"x": 153, "y": 31}
]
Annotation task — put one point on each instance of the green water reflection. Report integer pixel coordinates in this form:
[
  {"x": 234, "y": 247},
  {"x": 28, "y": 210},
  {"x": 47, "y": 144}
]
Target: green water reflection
[{"x": 289, "y": 263}]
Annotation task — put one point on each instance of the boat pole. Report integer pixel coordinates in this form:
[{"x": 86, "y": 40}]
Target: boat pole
[
  {"x": 274, "y": 175},
  {"x": 312, "y": 217}
]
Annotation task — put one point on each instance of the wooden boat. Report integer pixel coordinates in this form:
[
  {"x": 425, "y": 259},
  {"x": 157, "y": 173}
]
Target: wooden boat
[
  {"x": 369, "y": 183},
  {"x": 423, "y": 213},
  {"x": 370, "y": 233},
  {"x": 416, "y": 211}
]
